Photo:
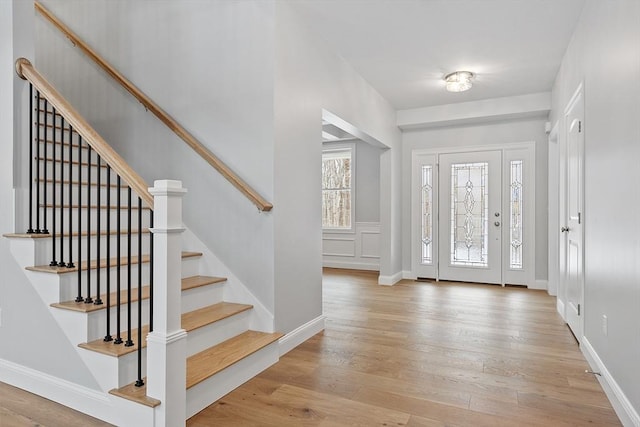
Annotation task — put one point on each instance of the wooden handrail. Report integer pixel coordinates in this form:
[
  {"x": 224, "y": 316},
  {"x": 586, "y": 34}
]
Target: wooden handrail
[
  {"x": 27, "y": 72},
  {"x": 165, "y": 118}
]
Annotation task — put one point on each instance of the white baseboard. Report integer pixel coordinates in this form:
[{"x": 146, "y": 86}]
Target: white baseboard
[
  {"x": 560, "y": 308},
  {"x": 351, "y": 265},
  {"x": 390, "y": 280},
  {"x": 624, "y": 409},
  {"x": 406, "y": 274},
  {"x": 78, "y": 397},
  {"x": 539, "y": 284},
  {"x": 301, "y": 334}
]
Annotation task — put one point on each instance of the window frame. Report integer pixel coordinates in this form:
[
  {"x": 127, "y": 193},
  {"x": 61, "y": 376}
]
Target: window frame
[{"x": 332, "y": 147}]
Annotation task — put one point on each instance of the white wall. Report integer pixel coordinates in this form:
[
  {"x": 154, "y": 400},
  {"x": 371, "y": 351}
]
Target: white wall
[
  {"x": 367, "y": 182},
  {"x": 210, "y": 66},
  {"x": 605, "y": 54},
  {"x": 470, "y": 135},
  {"x": 27, "y": 325},
  {"x": 310, "y": 78}
]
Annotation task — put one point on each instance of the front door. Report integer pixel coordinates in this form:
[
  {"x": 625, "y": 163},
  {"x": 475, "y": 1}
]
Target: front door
[
  {"x": 574, "y": 220},
  {"x": 470, "y": 217}
]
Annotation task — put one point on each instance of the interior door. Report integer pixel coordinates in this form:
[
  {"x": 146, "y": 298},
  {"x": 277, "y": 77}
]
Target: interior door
[
  {"x": 573, "y": 229},
  {"x": 470, "y": 214}
]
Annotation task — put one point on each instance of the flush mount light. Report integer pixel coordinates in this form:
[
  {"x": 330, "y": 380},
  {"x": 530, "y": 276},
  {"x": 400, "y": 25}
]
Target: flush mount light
[{"x": 459, "y": 81}]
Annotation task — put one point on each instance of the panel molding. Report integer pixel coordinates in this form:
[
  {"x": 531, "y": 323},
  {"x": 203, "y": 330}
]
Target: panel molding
[{"x": 359, "y": 250}]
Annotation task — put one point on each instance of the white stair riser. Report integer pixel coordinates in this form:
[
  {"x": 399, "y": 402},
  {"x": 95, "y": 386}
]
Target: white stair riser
[
  {"x": 114, "y": 372},
  {"x": 45, "y": 247},
  {"x": 97, "y": 321},
  {"x": 93, "y": 219},
  {"x": 207, "y": 336},
  {"x": 204, "y": 394},
  {"x": 201, "y": 297},
  {"x": 69, "y": 281},
  {"x": 92, "y": 196},
  {"x": 85, "y": 327}
]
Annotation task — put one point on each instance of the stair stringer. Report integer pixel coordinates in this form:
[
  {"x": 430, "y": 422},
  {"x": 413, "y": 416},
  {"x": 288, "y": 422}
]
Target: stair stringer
[
  {"x": 234, "y": 290},
  {"x": 51, "y": 288},
  {"x": 96, "y": 403}
]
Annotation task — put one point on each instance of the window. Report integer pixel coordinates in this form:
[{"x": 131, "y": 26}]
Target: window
[{"x": 337, "y": 188}]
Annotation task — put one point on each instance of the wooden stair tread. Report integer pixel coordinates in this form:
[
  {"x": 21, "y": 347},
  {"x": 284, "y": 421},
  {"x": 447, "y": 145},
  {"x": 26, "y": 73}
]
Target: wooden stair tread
[
  {"x": 66, "y": 182},
  {"x": 198, "y": 281},
  {"x": 209, "y": 362},
  {"x": 190, "y": 321},
  {"x": 136, "y": 394},
  {"x": 103, "y": 263},
  {"x": 74, "y": 234},
  {"x": 88, "y": 308},
  {"x": 74, "y": 162},
  {"x": 116, "y": 350},
  {"x": 74, "y": 145},
  {"x": 213, "y": 313},
  {"x": 113, "y": 208}
]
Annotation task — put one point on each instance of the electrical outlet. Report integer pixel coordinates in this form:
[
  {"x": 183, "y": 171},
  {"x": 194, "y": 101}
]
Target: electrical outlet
[{"x": 605, "y": 325}]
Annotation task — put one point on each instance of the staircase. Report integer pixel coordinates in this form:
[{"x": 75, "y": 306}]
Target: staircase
[{"x": 99, "y": 289}]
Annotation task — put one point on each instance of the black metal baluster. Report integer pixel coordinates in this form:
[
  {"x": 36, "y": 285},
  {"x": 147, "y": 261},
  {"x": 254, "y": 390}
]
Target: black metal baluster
[
  {"x": 79, "y": 296},
  {"x": 88, "y": 299},
  {"x": 31, "y": 142},
  {"x": 139, "y": 382},
  {"x": 70, "y": 263},
  {"x": 118, "y": 339},
  {"x": 44, "y": 178},
  {"x": 98, "y": 300},
  {"x": 38, "y": 161},
  {"x": 129, "y": 342},
  {"x": 54, "y": 135},
  {"x": 151, "y": 261},
  {"x": 108, "y": 336},
  {"x": 62, "y": 263}
]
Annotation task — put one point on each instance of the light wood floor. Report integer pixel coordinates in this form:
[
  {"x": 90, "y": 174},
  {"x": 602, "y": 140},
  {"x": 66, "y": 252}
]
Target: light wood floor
[
  {"x": 19, "y": 408},
  {"x": 424, "y": 354},
  {"x": 415, "y": 354}
]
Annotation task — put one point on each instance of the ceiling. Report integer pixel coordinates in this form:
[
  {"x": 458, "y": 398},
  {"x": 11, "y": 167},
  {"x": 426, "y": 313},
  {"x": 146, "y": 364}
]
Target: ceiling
[{"x": 404, "y": 47}]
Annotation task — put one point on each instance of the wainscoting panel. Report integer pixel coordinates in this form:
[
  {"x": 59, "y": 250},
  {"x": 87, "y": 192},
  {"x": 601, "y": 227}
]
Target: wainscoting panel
[{"x": 359, "y": 250}]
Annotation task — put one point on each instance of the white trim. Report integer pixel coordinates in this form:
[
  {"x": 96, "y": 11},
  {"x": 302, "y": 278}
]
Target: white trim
[
  {"x": 351, "y": 265},
  {"x": 160, "y": 338},
  {"x": 624, "y": 409},
  {"x": 560, "y": 308},
  {"x": 473, "y": 148},
  {"x": 407, "y": 274},
  {"x": 390, "y": 280},
  {"x": 75, "y": 396},
  {"x": 300, "y": 334},
  {"x": 538, "y": 284}
]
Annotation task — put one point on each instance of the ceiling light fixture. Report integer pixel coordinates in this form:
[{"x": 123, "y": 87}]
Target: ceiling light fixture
[{"x": 459, "y": 81}]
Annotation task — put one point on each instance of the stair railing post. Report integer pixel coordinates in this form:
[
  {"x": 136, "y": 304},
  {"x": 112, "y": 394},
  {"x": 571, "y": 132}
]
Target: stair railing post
[{"x": 166, "y": 345}]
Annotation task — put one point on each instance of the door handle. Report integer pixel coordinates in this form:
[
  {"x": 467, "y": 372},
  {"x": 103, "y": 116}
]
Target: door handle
[{"x": 564, "y": 229}]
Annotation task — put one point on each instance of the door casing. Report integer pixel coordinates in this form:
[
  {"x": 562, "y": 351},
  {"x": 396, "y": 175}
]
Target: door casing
[{"x": 525, "y": 150}]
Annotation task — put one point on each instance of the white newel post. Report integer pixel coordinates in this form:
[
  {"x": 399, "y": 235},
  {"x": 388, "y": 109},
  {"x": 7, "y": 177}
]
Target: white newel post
[{"x": 166, "y": 345}]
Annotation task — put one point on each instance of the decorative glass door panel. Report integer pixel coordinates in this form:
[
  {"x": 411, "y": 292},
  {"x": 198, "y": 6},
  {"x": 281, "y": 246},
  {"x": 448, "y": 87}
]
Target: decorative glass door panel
[
  {"x": 426, "y": 214},
  {"x": 424, "y": 208},
  {"x": 470, "y": 216}
]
